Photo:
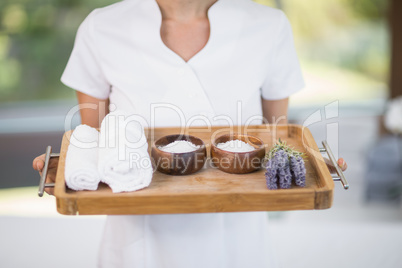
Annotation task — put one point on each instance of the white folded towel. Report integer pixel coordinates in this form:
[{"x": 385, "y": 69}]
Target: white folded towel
[
  {"x": 124, "y": 163},
  {"x": 81, "y": 168}
]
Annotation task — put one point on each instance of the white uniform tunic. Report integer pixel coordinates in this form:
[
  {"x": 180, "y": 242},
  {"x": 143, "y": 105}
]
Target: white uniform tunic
[{"x": 119, "y": 54}]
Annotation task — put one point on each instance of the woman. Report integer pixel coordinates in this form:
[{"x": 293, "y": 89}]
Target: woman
[{"x": 181, "y": 62}]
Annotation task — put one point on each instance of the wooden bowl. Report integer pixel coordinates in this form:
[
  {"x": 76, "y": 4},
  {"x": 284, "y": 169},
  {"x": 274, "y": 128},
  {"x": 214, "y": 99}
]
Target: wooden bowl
[
  {"x": 178, "y": 163},
  {"x": 238, "y": 162}
]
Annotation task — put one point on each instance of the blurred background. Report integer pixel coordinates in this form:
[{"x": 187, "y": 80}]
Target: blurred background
[{"x": 349, "y": 52}]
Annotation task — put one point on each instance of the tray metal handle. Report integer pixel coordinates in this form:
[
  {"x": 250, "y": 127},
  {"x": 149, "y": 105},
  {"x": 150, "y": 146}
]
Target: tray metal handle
[
  {"x": 331, "y": 156},
  {"x": 42, "y": 181}
]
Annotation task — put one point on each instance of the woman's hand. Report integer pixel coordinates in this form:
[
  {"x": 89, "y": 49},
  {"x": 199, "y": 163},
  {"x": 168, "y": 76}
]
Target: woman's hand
[
  {"x": 38, "y": 164},
  {"x": 341, "y": 163},
  {"x": 91, "y": 117}
]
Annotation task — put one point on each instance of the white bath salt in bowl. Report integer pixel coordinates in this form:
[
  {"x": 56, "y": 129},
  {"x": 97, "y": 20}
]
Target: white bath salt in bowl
[
  {"x": 179, "y": 147},
  {"x": 236, "y": 146}
]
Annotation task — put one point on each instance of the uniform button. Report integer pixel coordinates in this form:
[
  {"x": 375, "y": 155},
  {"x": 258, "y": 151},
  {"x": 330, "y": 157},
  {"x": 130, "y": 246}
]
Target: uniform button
[
  {"x": 180, "y": 71},
  {"x": 192, "y": 95}
]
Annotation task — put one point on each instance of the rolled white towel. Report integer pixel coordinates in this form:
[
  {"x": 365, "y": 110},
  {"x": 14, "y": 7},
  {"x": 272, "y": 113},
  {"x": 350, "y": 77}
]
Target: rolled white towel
[
  {"x": 81, "y": 168},
  {"x": 124, "y": 163}
]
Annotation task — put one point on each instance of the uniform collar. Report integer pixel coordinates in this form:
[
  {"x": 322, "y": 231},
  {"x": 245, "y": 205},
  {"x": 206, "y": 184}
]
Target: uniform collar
[{"x": 222, "y": 15}]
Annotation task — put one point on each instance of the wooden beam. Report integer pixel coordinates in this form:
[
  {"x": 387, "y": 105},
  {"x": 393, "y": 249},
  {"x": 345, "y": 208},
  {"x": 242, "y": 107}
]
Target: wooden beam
[{"x": 396, "y": 48}]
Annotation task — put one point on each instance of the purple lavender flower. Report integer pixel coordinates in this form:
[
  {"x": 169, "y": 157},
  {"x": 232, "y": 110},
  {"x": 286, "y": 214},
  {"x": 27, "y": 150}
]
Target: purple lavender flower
[
  {"x": 270, "y": 175},
  {"x": 298, "y": 170},
  {"x": 285, "y": 176},
  {"x": 283, "y": 172},
  {"x": 281, "y": 159},
  {"x": 284, "y": 165},
  {"x": 294, "y": 167}
]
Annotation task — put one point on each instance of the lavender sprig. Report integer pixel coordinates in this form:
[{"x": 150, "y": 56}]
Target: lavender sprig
[
  {"x": 284, "y": 164},
  {"x": 298, "y": 170},
  {"x": 270, "y": 175}
]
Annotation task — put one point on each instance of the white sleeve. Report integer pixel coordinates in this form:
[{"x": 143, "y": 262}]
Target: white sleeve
[
  {"x": 284, "y": 75},
  {"x": 84, "y": 71}
]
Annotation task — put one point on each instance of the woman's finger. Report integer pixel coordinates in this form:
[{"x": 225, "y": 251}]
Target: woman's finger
[
  {"x": 53, "y": 162},
  {"x": 342, "y": 164},
  {"x": 51, "y": 178},
  {"x": 39, "y": 162},
  {"x": 49, "y": 190}
]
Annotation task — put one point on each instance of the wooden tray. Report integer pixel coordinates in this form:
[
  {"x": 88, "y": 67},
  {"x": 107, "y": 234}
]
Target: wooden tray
[{"x": 209, "y": 190}]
